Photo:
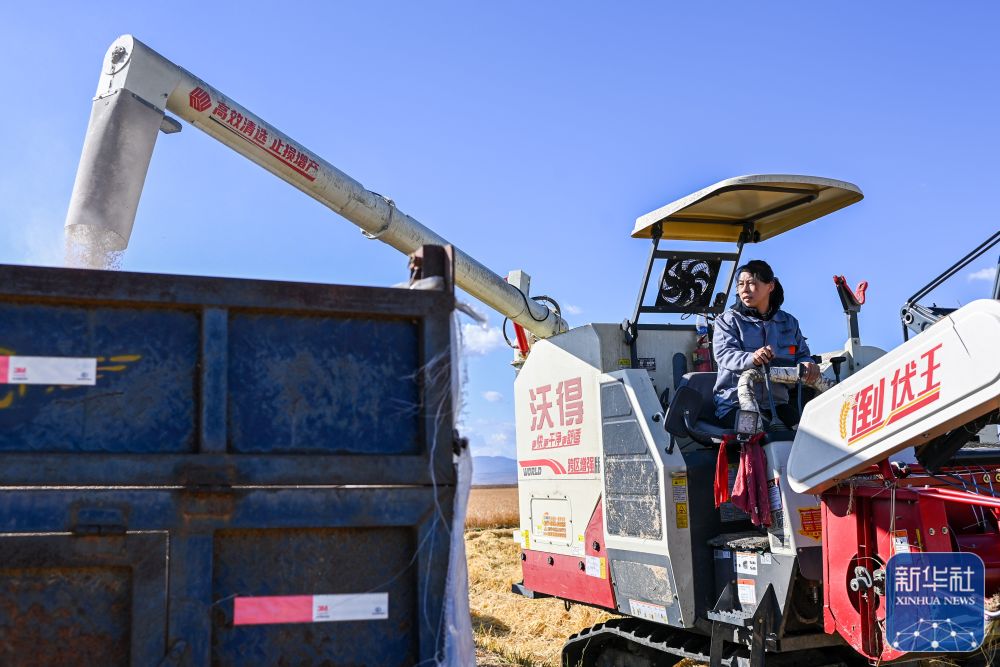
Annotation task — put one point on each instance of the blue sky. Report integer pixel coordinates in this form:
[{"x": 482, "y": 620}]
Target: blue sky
[{"x": 532, "y": 135}]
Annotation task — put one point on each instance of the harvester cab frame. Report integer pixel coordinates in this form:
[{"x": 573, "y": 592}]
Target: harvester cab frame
[{"x": 740, "y": 210}]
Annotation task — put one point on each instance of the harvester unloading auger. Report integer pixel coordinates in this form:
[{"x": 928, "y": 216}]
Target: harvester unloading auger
[{"x": 616, "y": 450}]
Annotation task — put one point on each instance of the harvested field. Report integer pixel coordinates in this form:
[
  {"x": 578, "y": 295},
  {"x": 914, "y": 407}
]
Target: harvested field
[
  {"x": 508, "y": 628},
  {"x": 506, "y": 625}
]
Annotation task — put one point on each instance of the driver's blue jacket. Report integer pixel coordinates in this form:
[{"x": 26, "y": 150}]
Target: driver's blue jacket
[{"x": 736, "y": 337}]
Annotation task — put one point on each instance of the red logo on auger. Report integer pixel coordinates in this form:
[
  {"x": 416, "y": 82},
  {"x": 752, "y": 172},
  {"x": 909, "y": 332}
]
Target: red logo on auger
[
  {"x": 199, "y": 99},
  {"x": 250, "y": 131}
]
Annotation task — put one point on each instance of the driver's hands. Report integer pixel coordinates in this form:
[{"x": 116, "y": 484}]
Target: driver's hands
[
  {"x": 812, "y": 372},
  {"x": 763, "y": 356}
]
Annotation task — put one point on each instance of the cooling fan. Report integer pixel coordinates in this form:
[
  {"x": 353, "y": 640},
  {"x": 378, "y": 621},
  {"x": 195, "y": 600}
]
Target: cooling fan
[{"x": 686, "y": 284}]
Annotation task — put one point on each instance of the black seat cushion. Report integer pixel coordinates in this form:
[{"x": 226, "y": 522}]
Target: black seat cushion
[
  {"x": 700, "y": 396},
  {"x": 695, "y": 395},
  {"x": 704, "y": 384}
]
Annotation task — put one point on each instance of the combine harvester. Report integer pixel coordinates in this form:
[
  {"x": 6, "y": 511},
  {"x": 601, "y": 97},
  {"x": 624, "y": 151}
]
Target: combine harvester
[{"x": 617, "y": 455}]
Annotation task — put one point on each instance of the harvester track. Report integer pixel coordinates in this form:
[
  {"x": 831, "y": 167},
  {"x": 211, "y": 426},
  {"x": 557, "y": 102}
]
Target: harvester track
[{"x": 632, "y": 642}]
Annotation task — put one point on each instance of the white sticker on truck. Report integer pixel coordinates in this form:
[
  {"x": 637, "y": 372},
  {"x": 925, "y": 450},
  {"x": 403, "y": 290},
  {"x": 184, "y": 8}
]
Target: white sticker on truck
[
  {"x": 48, "y": 370},
  {"x": 277, "y": 609},
  {"x": 361, "y": 607}
]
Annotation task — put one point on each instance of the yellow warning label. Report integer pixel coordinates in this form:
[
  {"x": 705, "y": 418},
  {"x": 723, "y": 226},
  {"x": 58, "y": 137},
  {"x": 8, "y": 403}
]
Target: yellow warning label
[
  {"x": 526, "y": 538},
  {"x": 679, "y": 486},
  {"x": 682, "y": 514},
  {"x": 811, "y": 520}
]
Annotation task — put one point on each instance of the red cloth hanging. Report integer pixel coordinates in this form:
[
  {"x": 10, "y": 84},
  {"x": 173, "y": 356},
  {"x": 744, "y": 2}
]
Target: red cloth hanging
[
  {"x": 750, "y": 488},
  {"x": 722, "y": 472}
]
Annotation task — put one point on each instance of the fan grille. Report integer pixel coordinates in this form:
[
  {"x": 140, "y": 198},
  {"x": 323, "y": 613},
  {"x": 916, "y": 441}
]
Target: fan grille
[{"x": 686, "y": 284}]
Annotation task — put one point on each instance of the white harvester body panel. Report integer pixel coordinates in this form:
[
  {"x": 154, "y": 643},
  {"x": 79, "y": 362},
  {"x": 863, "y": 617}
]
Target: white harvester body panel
[
  {"x": 795, "y": 516},
  {"x": 557, "y": 416},
  {"x": 943, "y": 378},
  {"x": 858, "y": 356},
  {"x": 667, "y": 549},
  {"x": 568, "y": 396},
  {"x": 655, "y": 349}
]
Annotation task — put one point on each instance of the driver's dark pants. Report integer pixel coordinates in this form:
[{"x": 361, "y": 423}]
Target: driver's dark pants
[{"x": 787, "y": 413}]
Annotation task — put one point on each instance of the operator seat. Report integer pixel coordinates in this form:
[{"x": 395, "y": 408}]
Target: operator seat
[
  {"x": 692, "y": 413},
  {"x": 695, "y": 397}
]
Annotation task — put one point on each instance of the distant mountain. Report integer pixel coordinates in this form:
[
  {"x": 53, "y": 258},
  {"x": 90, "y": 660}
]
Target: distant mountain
[{"x": 493, "y": 470}]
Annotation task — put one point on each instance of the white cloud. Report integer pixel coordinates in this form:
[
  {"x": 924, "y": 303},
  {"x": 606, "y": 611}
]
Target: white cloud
[
  {"x": 989, "y": 274},
  {"x": 493, "y": 396},
  {"x": 498, "y": 439},
  {"x": 478, "y": 340},
  {"x": 573, "y": 310},
  {"x": 489, "y": 437}
]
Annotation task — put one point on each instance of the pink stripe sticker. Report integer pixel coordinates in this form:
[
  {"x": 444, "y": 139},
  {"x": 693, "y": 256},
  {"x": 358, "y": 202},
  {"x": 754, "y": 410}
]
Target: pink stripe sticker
[
  {"x": 4, "y": 368},
  {"x": 273, "y": 609}
]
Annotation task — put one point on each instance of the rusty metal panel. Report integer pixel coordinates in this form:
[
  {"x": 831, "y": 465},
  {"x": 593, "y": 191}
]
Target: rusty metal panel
[
  {"x": 71, "y": 600},
  {"x": 65, "y": 616},
  {"x": 135, "y": 575}
]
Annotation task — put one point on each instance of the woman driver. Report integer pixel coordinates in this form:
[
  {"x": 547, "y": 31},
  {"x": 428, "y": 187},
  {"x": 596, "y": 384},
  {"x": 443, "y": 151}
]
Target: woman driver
[{"x": 753, "y": 332}]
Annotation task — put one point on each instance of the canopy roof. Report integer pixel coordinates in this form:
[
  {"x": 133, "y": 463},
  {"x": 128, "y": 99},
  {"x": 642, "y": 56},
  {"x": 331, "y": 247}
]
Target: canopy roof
[{"x": 769, "y": 203}]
